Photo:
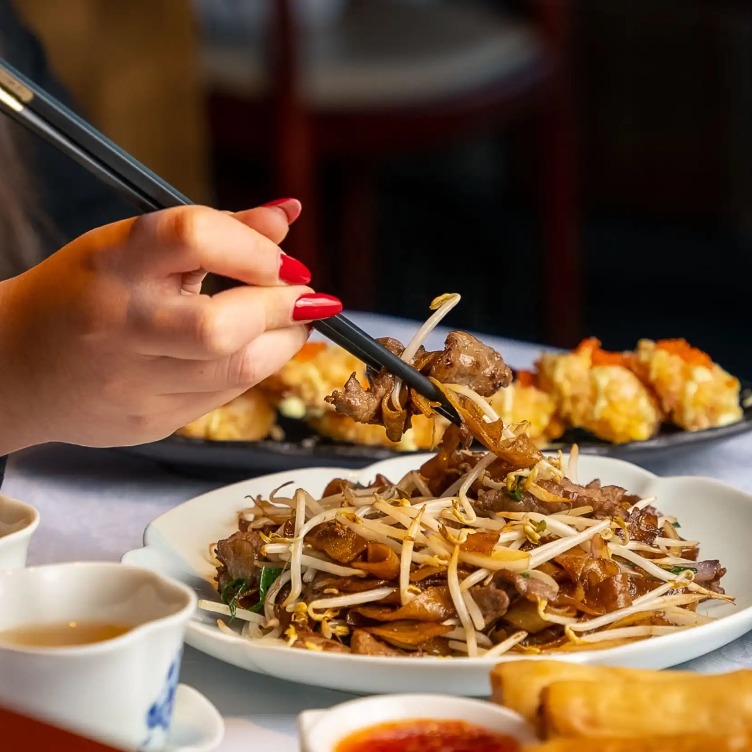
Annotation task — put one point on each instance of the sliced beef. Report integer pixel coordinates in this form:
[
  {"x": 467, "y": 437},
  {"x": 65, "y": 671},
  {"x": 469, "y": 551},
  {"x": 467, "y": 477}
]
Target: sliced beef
[
  {"x": 642, "y": 525},
  {"x": 495, "y": 500},
  {"x": 492, "y": 601},
  {"x": 468, "y": 361},
  {"x": 238, "y": 554}
]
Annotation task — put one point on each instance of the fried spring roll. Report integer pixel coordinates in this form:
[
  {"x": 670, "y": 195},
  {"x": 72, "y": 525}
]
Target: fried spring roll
[
  {"x": 518, "y": 685},
  {"x": 686, "y": 704},
  {"x": 741, "y": 742}
]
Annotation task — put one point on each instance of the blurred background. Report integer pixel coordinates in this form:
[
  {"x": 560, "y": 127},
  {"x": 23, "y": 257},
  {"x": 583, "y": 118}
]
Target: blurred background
[{"x": 572, "y": 167}]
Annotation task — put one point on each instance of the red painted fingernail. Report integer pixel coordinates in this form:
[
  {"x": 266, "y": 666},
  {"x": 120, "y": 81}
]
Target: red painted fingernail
[
  {"x": 290, "y": 206},
  {"x": 292, "y": 271},
  {"x": 315, "y": 305}
]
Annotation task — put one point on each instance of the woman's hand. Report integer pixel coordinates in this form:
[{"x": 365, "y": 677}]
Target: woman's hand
[{"x": 110, "y": 341}]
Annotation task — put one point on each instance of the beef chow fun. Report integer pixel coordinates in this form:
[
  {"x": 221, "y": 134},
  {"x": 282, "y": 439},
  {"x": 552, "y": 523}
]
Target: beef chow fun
[{"x": 477, "y": 552}]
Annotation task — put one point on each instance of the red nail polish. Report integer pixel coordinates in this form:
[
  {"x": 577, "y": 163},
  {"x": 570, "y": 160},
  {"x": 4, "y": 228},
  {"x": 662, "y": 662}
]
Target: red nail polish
[
  {"x": 292, "y": 271},
  {"x": 316, "y": 305},
  {"x": 290, "y": 206}
]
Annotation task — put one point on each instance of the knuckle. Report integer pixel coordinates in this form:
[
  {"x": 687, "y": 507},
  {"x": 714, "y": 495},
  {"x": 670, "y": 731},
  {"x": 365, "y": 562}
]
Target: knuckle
[
  {"x": 242, "y": 370},
  {"x": 212, "y": 334},
  {"x": 184, "y": 226}
]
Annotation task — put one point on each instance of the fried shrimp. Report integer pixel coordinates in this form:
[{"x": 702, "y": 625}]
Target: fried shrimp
[
  {"x": 248, "y": 417},
  {"x": 524, "y": 400},
  {"x": 596, "y": 390},
  {"x": 694, "y": 391}
]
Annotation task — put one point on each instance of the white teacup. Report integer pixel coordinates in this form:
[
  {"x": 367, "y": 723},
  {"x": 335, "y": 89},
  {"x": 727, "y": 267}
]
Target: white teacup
[
  {"x": 18, "y": 521},
  {"x": 323, "y": 730},
  {"x": 119, "y": 690}
]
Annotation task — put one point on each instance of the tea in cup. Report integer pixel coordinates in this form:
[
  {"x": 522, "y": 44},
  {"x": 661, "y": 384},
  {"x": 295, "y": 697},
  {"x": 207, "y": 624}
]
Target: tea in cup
[
  {"x": 18, "y": 521},
  {"x": 95, "y": 648}
]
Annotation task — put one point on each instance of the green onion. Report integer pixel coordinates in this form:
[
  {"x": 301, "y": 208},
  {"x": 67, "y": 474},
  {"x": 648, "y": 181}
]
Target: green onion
[
  {"x": 233, "y": 591},
  {"x": 679, "y": 570},
  {"x": 517, "y": 493},
  {"x": 266, "y": 580}
]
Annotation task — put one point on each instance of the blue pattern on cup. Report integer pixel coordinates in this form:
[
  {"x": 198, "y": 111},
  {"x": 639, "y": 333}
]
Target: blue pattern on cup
[{"x": 159, "y": 715}]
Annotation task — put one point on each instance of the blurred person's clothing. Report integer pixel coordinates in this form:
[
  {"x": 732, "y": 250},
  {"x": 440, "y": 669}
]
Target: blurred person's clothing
[
  {"x": 133, "y": 68},
  {"x": 68, "y": 200}
]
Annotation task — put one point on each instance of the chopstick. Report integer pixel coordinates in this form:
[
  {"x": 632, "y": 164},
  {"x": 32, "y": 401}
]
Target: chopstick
[{"x": 37, "y": 110}]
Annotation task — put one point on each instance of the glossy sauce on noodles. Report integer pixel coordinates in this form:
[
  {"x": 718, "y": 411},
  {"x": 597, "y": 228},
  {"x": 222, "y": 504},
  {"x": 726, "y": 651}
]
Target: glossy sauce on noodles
[{"x": 427, "y": 735}]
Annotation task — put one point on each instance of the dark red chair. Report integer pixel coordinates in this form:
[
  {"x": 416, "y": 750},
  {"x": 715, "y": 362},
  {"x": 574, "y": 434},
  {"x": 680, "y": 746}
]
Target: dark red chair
[{"x": 383, "y": 78}]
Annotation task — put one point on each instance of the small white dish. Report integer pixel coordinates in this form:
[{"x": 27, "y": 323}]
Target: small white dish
[
  {"x": 322, "y": 730},
  {"x": 719, "y": 516},
  {"x": 18, "y": 521},
  {"x": 197, "y": 725}
]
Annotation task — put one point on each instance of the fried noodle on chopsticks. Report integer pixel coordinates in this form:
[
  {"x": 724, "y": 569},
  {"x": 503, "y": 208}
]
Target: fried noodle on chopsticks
[{"x": 479, "y": 552}]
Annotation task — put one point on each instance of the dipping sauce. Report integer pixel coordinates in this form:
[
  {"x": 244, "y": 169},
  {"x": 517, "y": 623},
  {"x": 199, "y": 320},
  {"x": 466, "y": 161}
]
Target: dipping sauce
[
  {"x": 427, "y": 735},
  {"x": 62, "y": 633}
]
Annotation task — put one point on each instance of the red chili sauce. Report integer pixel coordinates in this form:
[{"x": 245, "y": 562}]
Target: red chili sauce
[{"x": 426, "y": 735}]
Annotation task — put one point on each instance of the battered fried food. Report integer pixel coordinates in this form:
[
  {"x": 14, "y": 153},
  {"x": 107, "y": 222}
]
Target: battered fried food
[
  {"x": 710, "y": 742},
  {"x": 524, "y": 400},
  {"x": 299, "y": 387},
  {"x": 690, "y": 704},
  {"x": 249, "y": 417},
  {"x": 424, "y": 434},
  {"x": 693, "y": 391},
  {"x": 520, "y": 685},
  {"x": 591, "y": 708},
  {"x": 596, "y": 390}
]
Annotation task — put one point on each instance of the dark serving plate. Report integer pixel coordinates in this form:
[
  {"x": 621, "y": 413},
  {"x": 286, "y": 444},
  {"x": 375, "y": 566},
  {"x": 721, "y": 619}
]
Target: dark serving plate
[{"x": 230, "y": 461}]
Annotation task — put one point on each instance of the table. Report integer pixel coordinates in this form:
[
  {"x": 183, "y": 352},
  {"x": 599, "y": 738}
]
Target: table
[{"x": 95, "y": 504}]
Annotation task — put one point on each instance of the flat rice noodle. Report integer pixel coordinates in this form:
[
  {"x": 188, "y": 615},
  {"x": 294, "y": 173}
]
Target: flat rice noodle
[
  {"x": 523, "y": 614},
  {"x": 518, "y": 452},
  {"x": 481, "y": 542},
  {"x": 599, "y": 583},
  {"x": 363, "y": 643},
  {"x": 433, "y": 604},
  {"x": 610, "y": 594},
  {"x": 348, "y": 585},
  {"x": 338, "y": 542},
  {"x": 396, "y": 422},
  {"x": 423, "y": 573},
  {"x": 311, "y": 641},
  {"x": 381, "y": 562},
  {"x": 408, "y": 634},
  {"x": 441, "y": 470},
  {"x": 565, "y": 600}
]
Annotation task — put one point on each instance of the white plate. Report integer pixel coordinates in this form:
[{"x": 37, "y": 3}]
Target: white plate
[
  {"x": 720, "y": 517},
  {"x": 197, "y": 725}
]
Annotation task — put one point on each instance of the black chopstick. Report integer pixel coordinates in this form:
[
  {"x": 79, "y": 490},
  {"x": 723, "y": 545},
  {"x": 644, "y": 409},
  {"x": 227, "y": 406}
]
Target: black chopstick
[{"x": 27, "y": 104}]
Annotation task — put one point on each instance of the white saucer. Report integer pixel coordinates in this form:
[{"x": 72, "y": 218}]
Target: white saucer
[{"x": 197, "y": 725}]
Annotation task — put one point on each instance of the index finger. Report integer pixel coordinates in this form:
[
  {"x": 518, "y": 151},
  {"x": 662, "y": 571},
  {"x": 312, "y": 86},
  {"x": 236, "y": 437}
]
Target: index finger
[{"x": 187, "y": 238}]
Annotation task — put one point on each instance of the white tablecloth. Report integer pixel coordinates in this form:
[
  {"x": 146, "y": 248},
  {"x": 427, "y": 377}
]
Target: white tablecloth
[{"x": 95, "y": 504}]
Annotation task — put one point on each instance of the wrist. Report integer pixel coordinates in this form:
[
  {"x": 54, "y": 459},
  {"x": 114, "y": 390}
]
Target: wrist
[{"x": 19, "y": 427}]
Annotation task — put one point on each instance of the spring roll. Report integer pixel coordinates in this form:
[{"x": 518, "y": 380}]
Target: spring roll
[
  {"x": 680, "y": 743},
  {"x": 684, "y": 704},
  {"x": 519, "y": 684}
]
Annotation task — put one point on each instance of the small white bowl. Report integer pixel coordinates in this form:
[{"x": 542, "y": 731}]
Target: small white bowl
[
  {"x": 18, "y": 521},
  {"x": 322, "y": 730}
]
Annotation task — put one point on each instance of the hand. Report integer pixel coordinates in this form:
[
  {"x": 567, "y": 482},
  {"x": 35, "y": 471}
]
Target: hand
[{"x": 110, "y": 341}]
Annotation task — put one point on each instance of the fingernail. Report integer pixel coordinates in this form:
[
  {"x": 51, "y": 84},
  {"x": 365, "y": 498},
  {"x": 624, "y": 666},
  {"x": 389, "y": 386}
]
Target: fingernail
[
  {"x": 292, "y": 271},
  {"x": 316, "y": 305},
  {"x": 290, "y": 206}
]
